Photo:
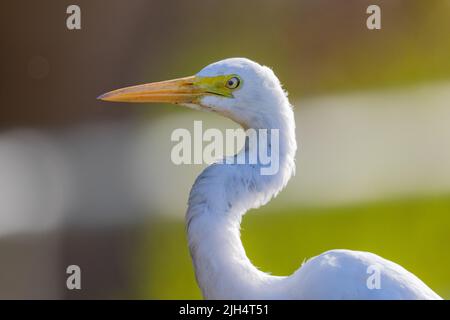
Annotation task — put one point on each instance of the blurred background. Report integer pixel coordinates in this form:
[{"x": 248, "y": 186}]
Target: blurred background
[{"x": 90, "y": 183}]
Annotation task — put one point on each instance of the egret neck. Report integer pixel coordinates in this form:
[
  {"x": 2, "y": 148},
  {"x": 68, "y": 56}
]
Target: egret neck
[{"x": 220, "y": 197}]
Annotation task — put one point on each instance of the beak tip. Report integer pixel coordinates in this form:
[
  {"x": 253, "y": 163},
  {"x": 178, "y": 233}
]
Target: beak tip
[{"x": 102, "y": 97}]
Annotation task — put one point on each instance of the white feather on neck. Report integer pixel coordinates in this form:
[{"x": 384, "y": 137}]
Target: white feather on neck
[{"x": 220, "y": 196}]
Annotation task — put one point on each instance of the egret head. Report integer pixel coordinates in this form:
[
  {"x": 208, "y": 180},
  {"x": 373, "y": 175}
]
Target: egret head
[{"x": 237, "y": 88}]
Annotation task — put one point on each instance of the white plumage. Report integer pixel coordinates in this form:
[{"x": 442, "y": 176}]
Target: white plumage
[{"x": 224, "y": 192}]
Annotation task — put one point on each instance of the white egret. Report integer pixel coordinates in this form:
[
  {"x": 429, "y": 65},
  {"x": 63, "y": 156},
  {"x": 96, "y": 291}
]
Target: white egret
[{"x": 252, "y": 96}]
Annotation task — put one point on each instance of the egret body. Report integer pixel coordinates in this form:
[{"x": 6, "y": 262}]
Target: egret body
[{"x": 252, "y": 96}]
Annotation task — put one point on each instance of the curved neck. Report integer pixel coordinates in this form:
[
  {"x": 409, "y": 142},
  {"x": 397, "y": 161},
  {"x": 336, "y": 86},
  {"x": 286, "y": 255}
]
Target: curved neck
[{"x": 220, "y": 196}]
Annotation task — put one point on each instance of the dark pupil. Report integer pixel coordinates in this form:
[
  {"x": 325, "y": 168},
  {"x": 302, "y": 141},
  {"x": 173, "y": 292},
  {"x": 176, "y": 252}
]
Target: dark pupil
[{"x": 233, "y": 83}]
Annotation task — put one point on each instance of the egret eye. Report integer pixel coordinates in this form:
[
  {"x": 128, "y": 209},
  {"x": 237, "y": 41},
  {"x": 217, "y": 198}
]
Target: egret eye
[{"x": 233, "y": 83}]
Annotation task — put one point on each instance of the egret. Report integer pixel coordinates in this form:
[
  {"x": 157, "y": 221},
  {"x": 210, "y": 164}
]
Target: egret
[{"x": 251, "y": 95}]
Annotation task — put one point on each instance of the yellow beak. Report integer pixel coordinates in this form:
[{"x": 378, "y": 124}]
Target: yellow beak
[{"x": 183, "y": 90}]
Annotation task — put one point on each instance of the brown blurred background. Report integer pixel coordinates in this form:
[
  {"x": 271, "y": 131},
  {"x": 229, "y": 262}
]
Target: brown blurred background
[{"x": 69, "y": 192}]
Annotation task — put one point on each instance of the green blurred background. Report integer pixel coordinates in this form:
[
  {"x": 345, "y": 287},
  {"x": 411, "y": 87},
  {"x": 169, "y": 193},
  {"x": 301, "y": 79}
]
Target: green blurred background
[{"x": 383, "y": 93}]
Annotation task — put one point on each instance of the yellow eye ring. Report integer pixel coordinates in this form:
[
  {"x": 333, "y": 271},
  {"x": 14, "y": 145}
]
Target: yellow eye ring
[{"x": 233, "y": 83}]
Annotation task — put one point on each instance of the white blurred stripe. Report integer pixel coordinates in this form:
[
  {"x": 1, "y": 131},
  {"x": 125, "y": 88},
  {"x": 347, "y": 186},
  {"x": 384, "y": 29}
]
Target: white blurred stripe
[{"x": 33, "y": 182}]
